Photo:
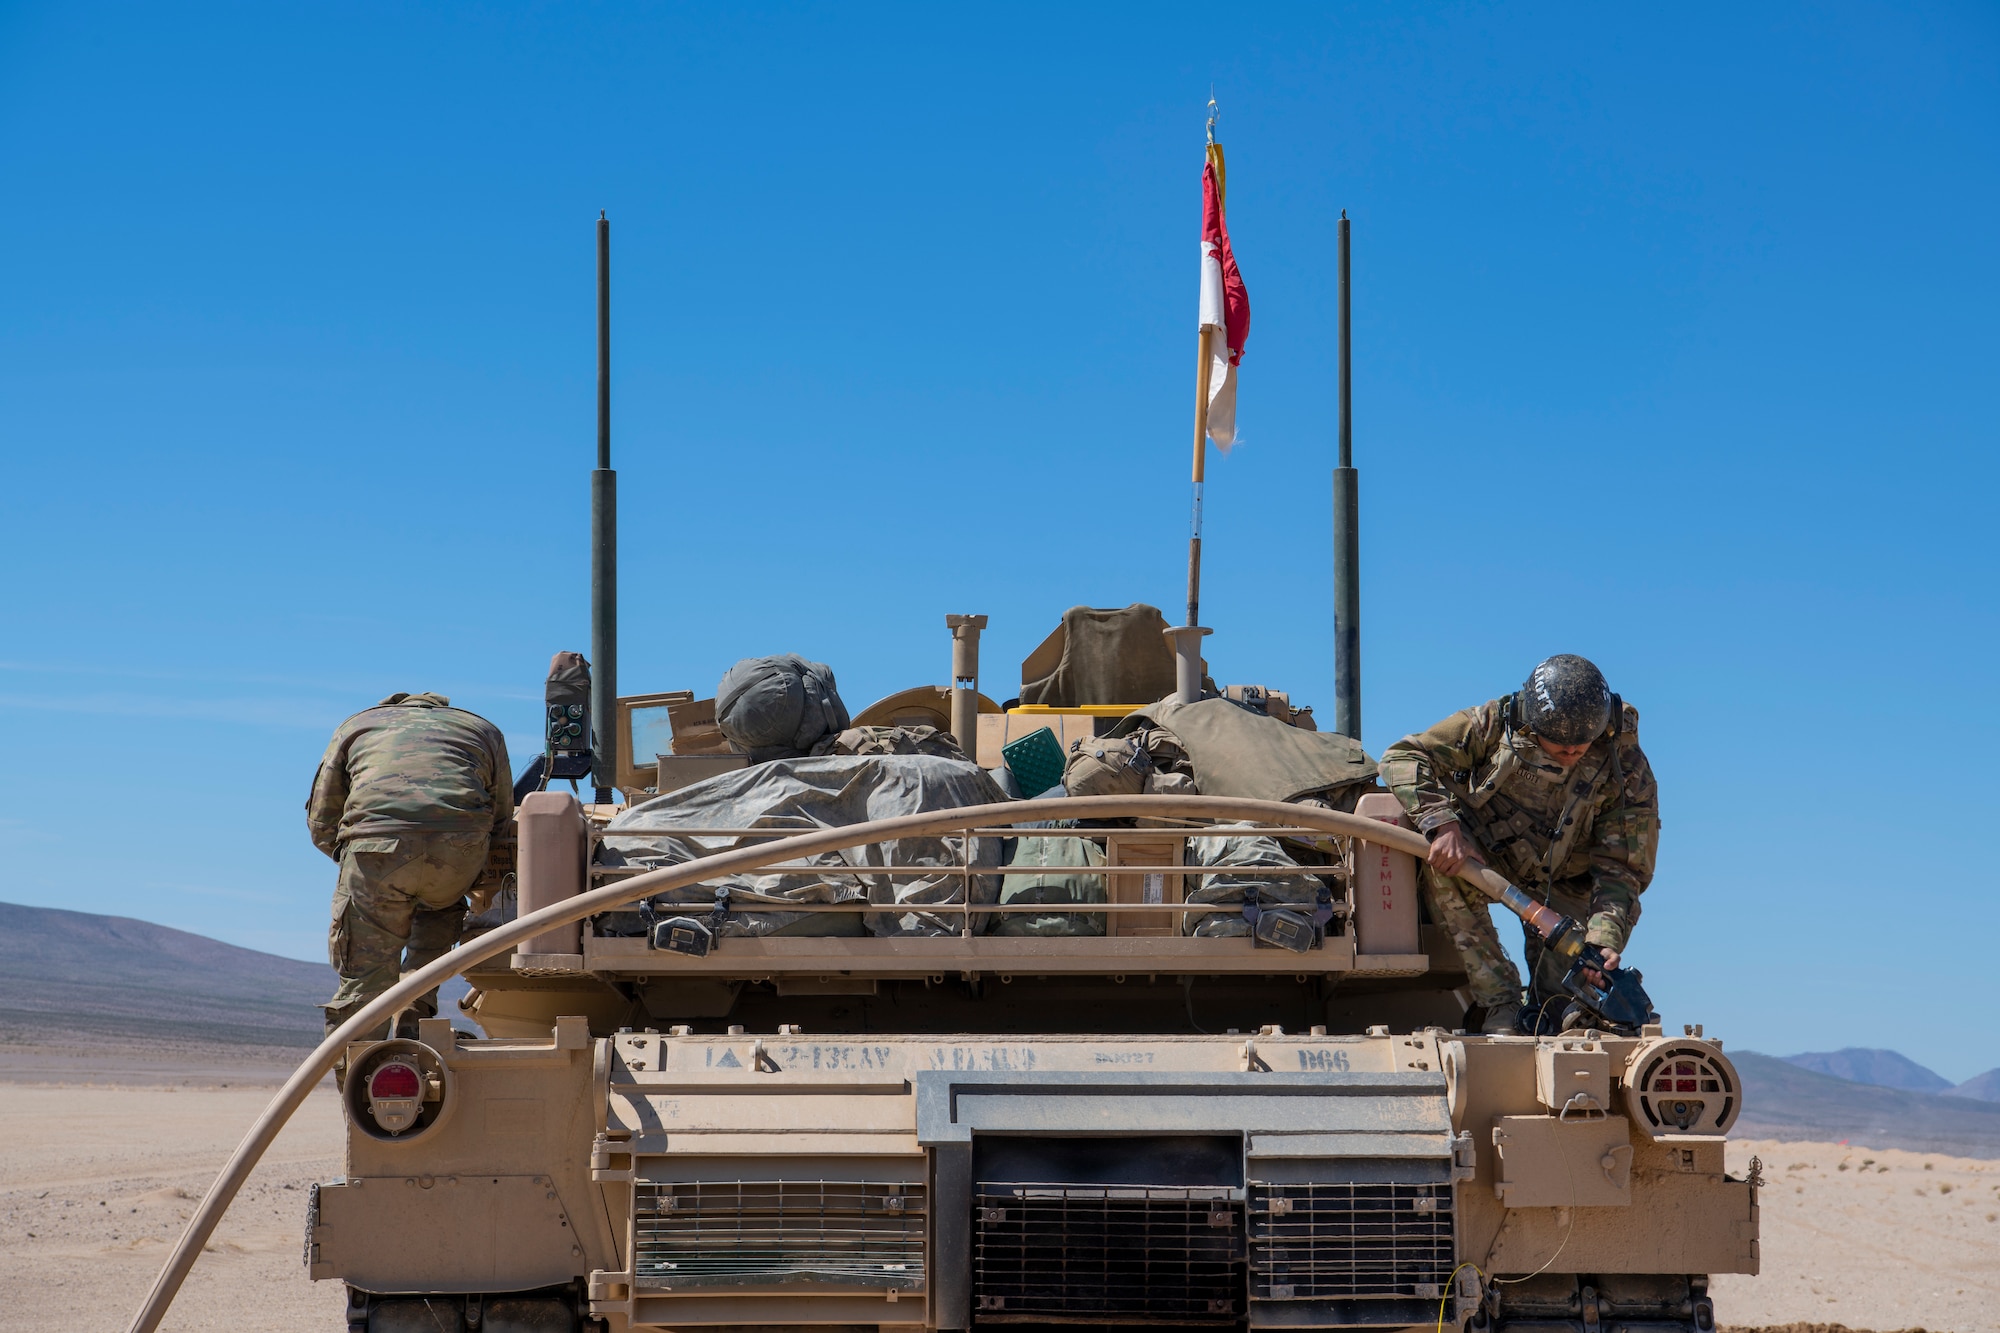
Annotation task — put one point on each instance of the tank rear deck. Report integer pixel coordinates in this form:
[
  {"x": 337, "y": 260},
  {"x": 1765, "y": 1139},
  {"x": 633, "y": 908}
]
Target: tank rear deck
[{"x": 1248, "y": 1179}]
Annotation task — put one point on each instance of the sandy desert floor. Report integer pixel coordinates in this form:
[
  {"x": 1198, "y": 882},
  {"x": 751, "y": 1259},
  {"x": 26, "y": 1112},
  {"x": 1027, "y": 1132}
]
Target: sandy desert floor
[
  {"x": 1870, "y": 1238},
  {"x": 95, "y": 1183}
]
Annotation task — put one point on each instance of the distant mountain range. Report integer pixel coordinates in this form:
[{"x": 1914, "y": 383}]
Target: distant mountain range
[
  {"x": 79, "y": 979},
  {"x": 87, "y": 984},
  {"x": 1783, "y": 1100},
  {"x": 1891, "y": 1069},
  {"x": 1985, "y": 1087}
]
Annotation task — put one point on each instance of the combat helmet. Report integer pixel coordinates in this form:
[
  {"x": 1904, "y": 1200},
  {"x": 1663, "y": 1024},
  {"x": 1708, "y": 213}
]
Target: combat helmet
[{"x": 1565, "y": 700}]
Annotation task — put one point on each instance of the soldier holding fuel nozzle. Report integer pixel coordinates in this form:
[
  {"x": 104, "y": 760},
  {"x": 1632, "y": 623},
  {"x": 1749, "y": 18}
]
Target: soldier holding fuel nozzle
[{"x": 1549, "y": 787}]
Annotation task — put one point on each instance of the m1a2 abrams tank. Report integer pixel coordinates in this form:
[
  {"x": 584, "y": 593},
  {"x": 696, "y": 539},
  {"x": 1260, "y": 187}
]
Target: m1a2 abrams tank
[
  {"x": 889, "y": 1039},
  {"x": 895, "y": 1109}
]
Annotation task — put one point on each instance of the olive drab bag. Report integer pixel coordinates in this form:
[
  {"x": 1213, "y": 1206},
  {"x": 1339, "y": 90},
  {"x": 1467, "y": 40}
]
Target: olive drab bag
[
  {"x": 1063, "y": 857},
  {"x": 1107, "y": 766}
]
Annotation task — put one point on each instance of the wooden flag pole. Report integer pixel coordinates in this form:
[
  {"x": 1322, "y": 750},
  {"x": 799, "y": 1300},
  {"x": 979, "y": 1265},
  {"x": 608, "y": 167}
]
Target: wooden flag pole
[
  {"x": 1204, "y": 367},
  {"x": 1186, "y": 639}
]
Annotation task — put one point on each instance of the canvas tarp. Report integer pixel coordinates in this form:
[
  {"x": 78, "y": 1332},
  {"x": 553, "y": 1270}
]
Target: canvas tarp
[
  {"x": 807, "y": 794},
  {"x": 1101, "y": 656},
  {"x": 1238, "y": 752}
]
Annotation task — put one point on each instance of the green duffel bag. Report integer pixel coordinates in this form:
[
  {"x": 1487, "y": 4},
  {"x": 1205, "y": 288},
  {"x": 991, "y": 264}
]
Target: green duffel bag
[{"x": 1061, "y": 856}]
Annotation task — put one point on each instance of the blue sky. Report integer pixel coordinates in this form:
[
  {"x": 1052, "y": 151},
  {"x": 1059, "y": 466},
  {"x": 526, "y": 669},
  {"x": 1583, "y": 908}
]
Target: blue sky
[{"x": 1674, "y": 346}]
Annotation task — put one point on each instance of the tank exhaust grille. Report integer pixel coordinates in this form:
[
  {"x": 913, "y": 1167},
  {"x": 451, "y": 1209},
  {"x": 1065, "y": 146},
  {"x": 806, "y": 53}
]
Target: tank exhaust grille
[
  {"x": 1152, "y": 1254},
  {"x": 755, "y": 1233},
  {"x": 1351, "y": 1240}
]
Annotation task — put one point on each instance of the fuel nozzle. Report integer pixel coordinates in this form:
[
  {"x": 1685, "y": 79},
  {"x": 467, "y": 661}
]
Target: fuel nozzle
[
  {"x": 1616, "y": 996},
  {"x": 1567, "y": 937}
]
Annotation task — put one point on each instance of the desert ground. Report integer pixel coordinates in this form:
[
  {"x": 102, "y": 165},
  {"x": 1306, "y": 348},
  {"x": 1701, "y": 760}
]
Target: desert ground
[
  {"x": 1871, "y": 1238},
  {"x": 96, "y": 1180}
]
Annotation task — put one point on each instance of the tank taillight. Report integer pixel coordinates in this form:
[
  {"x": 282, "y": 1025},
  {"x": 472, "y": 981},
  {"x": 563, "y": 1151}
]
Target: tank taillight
[
  {"x": 397, "y": 1091},
  {"x": 395, "y": 1080},
  {"x": 395, "y": 1096}
]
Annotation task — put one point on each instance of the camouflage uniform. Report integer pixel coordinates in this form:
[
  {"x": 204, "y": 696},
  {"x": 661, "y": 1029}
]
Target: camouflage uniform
[
  {"x": 1582, "y": 839},
  {"x": 406, "y": 798}
]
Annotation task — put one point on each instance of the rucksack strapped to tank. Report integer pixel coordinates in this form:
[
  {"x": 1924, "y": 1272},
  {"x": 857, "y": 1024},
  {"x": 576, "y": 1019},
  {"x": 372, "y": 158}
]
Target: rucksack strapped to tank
[{"x": 1107, "y": 766}]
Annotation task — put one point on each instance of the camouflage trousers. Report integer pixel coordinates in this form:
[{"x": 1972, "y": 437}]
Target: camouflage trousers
[
  {"x": 1462, "y": 908},
  {"x": 399, "y": 903}
]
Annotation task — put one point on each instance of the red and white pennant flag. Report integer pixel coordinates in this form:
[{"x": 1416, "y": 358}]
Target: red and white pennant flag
[{"x": 1225, "y": 305}]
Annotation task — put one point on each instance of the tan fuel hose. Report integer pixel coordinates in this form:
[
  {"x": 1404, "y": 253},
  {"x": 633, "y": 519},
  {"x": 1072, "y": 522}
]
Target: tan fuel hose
[
  {"x": 929, "y": 824},
  {"x": 1543, "y": 918}
]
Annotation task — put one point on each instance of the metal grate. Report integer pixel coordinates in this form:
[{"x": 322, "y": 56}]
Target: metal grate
[
  {"x": 753, "y": 1233},
  {"x": 1107, "y": 1253},
  {"x": 1353, "y": 1239}
]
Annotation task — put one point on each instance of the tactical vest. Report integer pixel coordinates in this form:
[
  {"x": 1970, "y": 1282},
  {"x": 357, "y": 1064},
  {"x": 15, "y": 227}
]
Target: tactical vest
[{"x": 1529, "y": 820}]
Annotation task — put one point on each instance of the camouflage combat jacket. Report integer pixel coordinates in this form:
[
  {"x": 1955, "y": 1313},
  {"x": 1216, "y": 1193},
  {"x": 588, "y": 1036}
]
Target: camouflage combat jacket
[
  {"x": 1592, "y": 830},
  {"x": 410, "y": 763}
]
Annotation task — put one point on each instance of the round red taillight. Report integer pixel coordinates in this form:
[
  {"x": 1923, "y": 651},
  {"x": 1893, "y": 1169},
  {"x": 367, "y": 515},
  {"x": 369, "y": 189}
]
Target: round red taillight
[
  {"x": 397, "y": 1090},
  {"x": 393, "y": 1081}
]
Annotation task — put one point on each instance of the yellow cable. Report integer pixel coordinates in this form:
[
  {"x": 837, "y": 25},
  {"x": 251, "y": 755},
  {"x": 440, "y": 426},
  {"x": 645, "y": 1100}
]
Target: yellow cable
[{"x": 1451, "y": 1282}]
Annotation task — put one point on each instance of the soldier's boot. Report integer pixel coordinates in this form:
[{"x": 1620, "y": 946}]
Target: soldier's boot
[{"x": 1502, "y": 1020}]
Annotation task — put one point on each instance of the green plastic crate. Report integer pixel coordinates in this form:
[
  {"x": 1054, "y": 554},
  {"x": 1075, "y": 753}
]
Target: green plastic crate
[{"x": 1036, "y": 761}]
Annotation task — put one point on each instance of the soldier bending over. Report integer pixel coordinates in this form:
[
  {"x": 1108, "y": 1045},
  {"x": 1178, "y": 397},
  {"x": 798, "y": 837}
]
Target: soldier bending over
[
  {"x": 406, "y": 798},
  {"x": 1549, "y": 787}
]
